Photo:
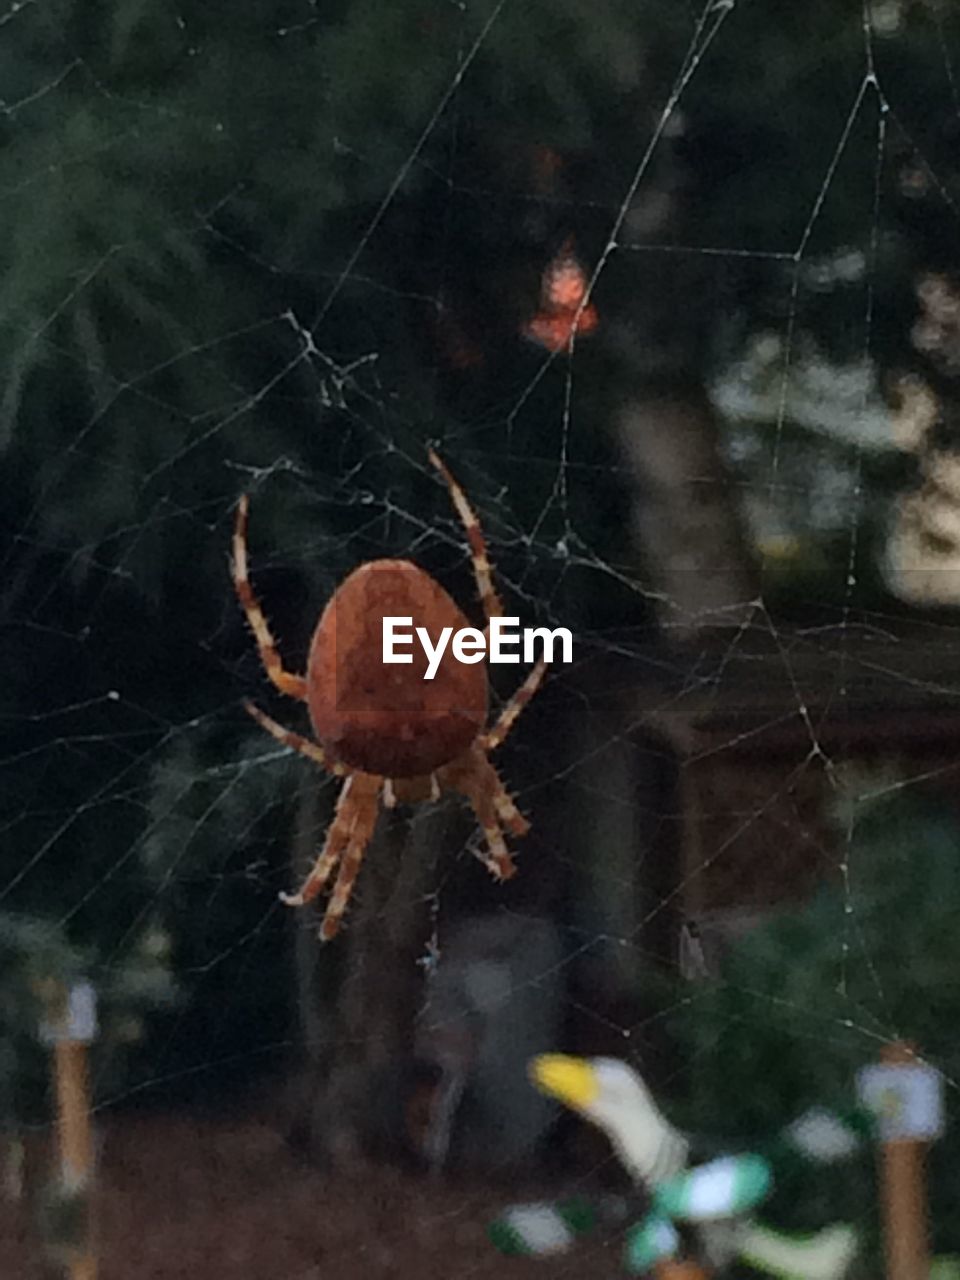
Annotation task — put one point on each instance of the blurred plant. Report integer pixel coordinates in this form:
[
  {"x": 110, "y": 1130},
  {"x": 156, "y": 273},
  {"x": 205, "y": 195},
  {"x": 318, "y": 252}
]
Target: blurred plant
[
  {"x": 806, "y": 1000},
  {"x": 215, "y": 852},
  {"x": 38, "y": 964}
]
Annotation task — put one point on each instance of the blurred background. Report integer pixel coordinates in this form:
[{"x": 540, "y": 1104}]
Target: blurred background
[{"x": 675, "y": 290}]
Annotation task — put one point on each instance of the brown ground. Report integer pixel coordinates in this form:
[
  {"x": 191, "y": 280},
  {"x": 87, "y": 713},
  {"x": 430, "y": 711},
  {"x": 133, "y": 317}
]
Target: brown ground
[{"x": 186, "y": 1198}]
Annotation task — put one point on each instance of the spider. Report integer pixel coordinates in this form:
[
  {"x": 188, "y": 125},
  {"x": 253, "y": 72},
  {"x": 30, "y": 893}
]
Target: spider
[{"x": 382, "y": 728}]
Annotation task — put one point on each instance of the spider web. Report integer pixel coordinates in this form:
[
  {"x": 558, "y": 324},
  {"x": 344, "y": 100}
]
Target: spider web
[{"x": 740, "y": 490}]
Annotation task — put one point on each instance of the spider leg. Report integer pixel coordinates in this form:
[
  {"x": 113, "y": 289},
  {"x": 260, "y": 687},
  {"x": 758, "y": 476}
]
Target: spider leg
[
  {"x": 492, "y": 605},
  {"x": 364, "y": 808},
  {"x": 478, "y": 781},
  {"x": 338, "y": 837},
  {"x": 295, "y": 740},
  {"x": 511, "y": 712},
  {"x": 498, "y": 860},
  {"x": 292, "y": 685},
  {"x": 508, "y": 813}
]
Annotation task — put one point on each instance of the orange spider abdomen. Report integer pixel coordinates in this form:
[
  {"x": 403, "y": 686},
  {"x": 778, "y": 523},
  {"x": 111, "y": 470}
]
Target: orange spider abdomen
[{"x": 382, "y": 718}]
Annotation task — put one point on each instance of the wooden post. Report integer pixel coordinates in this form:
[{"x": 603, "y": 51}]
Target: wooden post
[
  {"x": 70, "y": 1032},
  {"x": 904, "y": 1192},
  {"x": 73, "y": 1113},
  {"x": 75, "y": 1140},
  {"x": 674, "y": 1269}
]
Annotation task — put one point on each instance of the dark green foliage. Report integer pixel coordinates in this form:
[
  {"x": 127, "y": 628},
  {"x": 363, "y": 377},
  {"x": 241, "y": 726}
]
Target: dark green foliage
[
  {"x": 37, "y": 966},
  {"x": 237, "y": 240},
  {"x": 810, "y": 998}
]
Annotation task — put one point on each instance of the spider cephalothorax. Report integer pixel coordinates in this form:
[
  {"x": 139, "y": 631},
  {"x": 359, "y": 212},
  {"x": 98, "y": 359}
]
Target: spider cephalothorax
[{"x": 384, "y": 728}]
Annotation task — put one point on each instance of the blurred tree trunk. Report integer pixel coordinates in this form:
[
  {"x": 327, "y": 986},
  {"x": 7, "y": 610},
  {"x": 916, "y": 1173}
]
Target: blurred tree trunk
[
  {"x": 686, "y": 531},
  {"x": 685, "y": 518},
  {"x": 358, "y": 995}
]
